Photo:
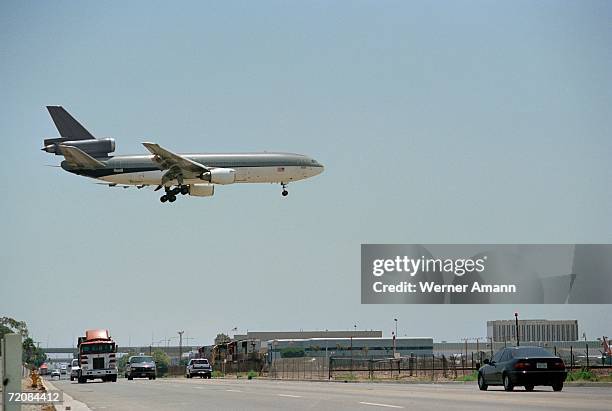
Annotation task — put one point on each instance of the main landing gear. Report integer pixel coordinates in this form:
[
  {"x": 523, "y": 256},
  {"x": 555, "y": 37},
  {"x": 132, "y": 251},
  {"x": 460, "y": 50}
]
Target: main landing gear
[
  {"x": 285, "y": 193},
  {"x": 171, "y": 193}
]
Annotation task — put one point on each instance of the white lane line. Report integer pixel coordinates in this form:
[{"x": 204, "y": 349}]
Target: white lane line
[
  {"x": 199, "y": 388},
  {"x": 233, "y": 391},
  {"x": 381, "y": 405},
  {"x": 289, "y": 395}
]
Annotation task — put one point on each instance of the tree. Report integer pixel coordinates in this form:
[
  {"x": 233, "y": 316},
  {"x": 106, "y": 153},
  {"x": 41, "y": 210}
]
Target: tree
[
  {"x": 222, "y": 339},
  {"x": 15, "y": 326},
  {"x": 32, "y": 355},
  {"x": 123, "y": 362},
  {"x": 162, "y": 362}
]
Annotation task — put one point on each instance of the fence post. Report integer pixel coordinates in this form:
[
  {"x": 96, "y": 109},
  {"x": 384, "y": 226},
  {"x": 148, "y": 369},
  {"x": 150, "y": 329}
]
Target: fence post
[
  {"x": 587, "y": 352},
  {"x": 571, "y": 357},
  {"x": 433, "y": 366},
  {"x": 555, "y": 350},
  {"x": 329, "y": 368}
]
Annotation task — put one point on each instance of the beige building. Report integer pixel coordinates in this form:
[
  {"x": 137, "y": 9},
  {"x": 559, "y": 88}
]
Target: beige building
[{"x": 533, "y": 330}]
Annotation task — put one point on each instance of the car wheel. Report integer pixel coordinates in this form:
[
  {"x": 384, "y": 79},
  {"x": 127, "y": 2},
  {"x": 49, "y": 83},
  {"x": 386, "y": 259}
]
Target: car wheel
[
  {"x": 558, "y": 386},
  {"x": 481, "y": 383},
  {"x": 71, "y": 378},
  {"x": 529, "y": 387},
  {"x": 508, "y": 383},
  {"x": 154, "y": 377},
  {"x": 130, "y": 378}
]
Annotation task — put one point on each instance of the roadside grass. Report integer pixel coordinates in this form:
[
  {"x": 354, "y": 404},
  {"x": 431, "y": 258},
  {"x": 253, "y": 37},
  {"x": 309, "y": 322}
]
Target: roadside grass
[
  {"x": 470, "y": 377},
  {"x": 587, "y": 375},
  {"x": 217, "y": 374},
  {"x": 345, "y": 377}
]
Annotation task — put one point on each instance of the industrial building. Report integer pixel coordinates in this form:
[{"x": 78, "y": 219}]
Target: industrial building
[
  {"x": 533, "y": 330},
  {"x": 355, "y": 347},
  {"x": 299, "y": 335}
]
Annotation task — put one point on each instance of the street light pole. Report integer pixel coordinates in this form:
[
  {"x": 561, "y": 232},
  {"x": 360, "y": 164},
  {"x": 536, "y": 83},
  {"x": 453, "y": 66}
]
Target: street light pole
[
  {"x": 518, "y": 342},
  {"x": 180, "y": 333}
]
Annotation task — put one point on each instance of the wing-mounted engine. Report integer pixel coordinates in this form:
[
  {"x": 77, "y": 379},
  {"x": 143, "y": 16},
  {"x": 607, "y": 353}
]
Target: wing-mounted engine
[
  {"x": 220, "y": 176},
  {"x": 93, "y": 147},
  {"x": 201, "y": 190}
]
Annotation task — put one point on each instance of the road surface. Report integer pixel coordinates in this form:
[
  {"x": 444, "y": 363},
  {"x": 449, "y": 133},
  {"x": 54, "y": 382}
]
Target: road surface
[{"x": 196, "y": 394}]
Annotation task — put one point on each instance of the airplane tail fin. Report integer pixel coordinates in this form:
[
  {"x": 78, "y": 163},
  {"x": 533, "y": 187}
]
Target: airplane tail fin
[
  {"x": 75, "y": 135},
  {"x": 67, "y": 126}
]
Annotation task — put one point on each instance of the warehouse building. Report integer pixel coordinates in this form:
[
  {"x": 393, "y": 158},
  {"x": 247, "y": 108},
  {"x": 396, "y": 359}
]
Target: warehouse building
[
  {"x": 533, "y": 330},
  {"x": 347, "y": 347}
]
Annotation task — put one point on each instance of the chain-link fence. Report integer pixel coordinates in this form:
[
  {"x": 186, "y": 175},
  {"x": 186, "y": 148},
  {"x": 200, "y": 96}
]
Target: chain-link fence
[{"x": 303, "y": 368}]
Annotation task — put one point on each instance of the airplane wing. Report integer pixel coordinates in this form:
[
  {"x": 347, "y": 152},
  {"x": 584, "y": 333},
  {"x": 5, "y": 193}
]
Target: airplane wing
[
  {"x": 79, "y": 158},
  {"x": 172, "y": 162}
]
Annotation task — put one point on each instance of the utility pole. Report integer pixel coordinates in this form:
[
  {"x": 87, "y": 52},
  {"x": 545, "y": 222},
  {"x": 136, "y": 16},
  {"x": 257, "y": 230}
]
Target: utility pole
[
  {"x": 518, "y": 342},
  {"x": 180, "y": 333}
]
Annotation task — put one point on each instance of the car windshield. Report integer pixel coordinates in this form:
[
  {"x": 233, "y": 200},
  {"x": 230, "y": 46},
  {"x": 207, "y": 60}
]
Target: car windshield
[
  {"x": 141, "y": 359},
  {"x": 97, "y": 348},
  {"x": 530, "y": 352},
  {"x": 205, "y": 362}
]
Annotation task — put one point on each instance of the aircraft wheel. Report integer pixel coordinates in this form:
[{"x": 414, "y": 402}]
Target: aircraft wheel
[
  {"x": 172, "y": 198},
  {"x": 163, "y": 198},
  {"x": 285, "y": 193},
  {"x": 184, "y": 190}
]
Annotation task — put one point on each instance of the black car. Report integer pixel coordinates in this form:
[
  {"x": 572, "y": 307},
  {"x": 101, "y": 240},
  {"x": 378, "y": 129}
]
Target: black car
[
  {"x": 526, "y": 366},
  {"x": 140, "y": 366}
]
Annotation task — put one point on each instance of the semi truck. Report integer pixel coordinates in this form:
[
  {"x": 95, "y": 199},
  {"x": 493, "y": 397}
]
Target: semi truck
[{"x": 97, "y": 356}]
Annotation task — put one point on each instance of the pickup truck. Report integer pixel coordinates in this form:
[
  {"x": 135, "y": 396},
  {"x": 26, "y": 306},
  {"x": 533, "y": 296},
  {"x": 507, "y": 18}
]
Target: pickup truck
[{"x": 198, "y": 366}]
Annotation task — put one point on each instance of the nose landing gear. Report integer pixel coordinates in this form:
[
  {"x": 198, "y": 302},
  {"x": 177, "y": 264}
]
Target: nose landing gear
[{"x": 285, "y": 193}]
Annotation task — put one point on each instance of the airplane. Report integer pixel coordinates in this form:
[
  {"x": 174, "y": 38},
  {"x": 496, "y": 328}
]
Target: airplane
[{"x": 192, "y": 174}]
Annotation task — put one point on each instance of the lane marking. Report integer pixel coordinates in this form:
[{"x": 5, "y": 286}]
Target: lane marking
[
  {"x": 233, "y": 391},
  {"x": 289, "y": 395},
  {"x": 199, "y": 388},
  {"x": 380, "y": 405}
]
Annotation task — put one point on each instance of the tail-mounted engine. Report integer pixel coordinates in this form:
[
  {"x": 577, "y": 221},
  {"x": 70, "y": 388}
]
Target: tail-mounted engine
[{"x": 93, "y": 147}]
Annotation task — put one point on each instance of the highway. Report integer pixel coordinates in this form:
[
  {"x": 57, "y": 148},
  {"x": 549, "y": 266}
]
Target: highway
[{"x": 227, "y": 394}]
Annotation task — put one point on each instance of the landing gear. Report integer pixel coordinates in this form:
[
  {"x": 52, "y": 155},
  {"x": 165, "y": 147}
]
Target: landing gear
[
  {"x": 285, "y": 193},
  {"x": 171, "y": 193}
]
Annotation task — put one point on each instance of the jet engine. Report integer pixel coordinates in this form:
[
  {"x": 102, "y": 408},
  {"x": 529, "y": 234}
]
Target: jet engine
[
  {"x": 220, "y": 176},
  {"x": 93, "y": 147},
  {"x": 201, "y": 190}
]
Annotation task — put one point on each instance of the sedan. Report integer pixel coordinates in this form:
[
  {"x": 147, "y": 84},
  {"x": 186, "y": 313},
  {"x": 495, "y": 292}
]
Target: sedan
[{"x": 522, "y": 366}]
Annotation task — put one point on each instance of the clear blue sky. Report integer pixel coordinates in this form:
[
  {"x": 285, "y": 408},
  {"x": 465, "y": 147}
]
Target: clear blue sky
[{"x": 438, "y": 122}]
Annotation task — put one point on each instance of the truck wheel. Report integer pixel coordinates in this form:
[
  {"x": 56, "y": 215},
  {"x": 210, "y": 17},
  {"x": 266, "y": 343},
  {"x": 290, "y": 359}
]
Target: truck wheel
[
  {"x": 130, "y": 378},
  {"x": 558, "y": 386},
  {"x": 71, "y": 378},
  {"x": 82, "y": 380},
  {"x": 114, "y": 378},
  {"x": 154, "y": 377}
]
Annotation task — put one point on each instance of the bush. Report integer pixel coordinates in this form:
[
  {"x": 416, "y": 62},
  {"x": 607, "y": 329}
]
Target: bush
[
  {"x": 582, "y": 375},
  {"x": 217, "y": 374},
  {"x": 251, "y": 374}
]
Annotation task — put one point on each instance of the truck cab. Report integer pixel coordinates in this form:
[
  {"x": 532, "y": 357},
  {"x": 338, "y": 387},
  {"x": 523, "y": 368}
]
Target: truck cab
[{"x": 97, "y": 357}]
